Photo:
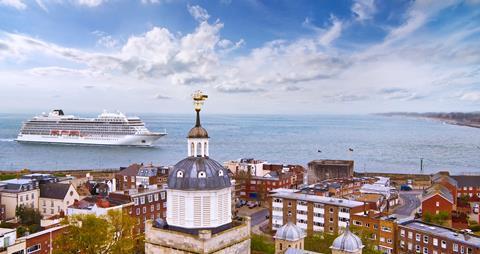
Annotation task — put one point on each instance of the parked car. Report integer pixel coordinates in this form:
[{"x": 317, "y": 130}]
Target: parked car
[{"x": 405, "y": 187}]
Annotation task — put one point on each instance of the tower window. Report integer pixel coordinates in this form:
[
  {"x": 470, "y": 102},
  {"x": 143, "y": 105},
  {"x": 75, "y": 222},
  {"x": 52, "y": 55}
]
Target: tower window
[
  {"x": 220, "y": 173},
  {"x": 202, "y": 174},
  {"x": 179, "y": 174}
]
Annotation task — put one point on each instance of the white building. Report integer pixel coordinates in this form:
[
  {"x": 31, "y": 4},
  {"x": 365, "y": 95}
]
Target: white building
[
  {"x": 18, "y": 192},
  {"x": 56, "y": 197}
]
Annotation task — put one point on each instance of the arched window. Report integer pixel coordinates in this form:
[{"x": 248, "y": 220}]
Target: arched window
[
  {"x": 192, "y": 148},
  {"x": 199, "y": 149},
  {"x": 281, "y": 246},
  {"x": 220, "y": 173},
  {"x": 205, "y": 149},
  {"x": 202, "y": 174},
  {"x": 180, "y": 174}
]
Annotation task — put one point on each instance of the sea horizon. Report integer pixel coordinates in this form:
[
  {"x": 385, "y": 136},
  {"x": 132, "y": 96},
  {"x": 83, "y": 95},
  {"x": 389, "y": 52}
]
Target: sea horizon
[{"x": 380, "y": 144}]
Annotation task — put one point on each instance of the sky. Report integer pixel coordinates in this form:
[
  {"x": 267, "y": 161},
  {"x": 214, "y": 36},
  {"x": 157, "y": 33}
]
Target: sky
[{"x": 249, "y": 56}]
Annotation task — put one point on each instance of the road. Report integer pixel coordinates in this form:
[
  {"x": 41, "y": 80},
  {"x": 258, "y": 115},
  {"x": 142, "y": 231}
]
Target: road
[
  {"x": 409, "y": 202},
  {"x": 259, "y": 217}
]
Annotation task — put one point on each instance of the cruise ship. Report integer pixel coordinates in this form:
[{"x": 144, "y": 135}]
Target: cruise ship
[{"x": 107, "y": 129}]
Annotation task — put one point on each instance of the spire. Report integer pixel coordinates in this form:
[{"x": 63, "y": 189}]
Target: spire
[{"x": 197, "y": 123}]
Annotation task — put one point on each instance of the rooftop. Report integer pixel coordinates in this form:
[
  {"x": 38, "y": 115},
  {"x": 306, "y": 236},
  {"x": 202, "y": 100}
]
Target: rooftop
[
  {"x": 467, "y": 180},
  {"x": 4, "y": 231},
  {"x": 54, "y": 190},
  {"x": 443, "y": 232},
  {"x": 318, "y": 199},
  {"x": 440, "y": 190}
]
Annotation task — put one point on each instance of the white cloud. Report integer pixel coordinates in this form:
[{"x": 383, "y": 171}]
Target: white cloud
[
  {"x": 332, "y": 33},
  {"x": 198, "y": 13},
  {"x": 17, "y": 4},
  {"x": 363, "y": 9},
  {"x": 90, "y": 3},
  {"x": 471, "y": 96}
]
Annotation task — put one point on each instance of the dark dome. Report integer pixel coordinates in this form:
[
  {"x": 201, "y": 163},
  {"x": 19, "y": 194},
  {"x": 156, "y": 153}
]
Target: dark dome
[
  {"x": 198, "y": 132},
  {"x": 198, "y": 173}
]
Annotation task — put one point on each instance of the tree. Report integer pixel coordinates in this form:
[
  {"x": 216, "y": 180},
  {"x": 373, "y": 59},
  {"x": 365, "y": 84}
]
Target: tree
[
  {"x": 89, "y": 234},
  {"x": 370, "y": 246},
  {"x": 320, "y": 242},
  {"x": 29, "y": 218},
  {"x": 438, "y": 219}
]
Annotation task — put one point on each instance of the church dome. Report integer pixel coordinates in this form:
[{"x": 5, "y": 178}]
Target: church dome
[
  {"x": 289, "y": 232},
  {"x": 198, "y": 173},
  {"x": 198, "y": 132},
  {"x": 347, "y": 242}
]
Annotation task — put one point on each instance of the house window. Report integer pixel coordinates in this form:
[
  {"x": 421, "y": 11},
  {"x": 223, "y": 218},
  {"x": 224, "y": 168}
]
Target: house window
[
  {"x": 162, "y": 195},
  {"x": 138, "y": 211},
  {"x": 425, "y": 239},
  {"x": 417, "y": 248},
  {"x": 144, "y": 209},
  {"x": 386, "y": 229},
  {"x": 330, "y": 210},
  {"x": 202, "y": 174},
  {"x": 417, "y": 237},
  {"x": 435, "y": 242},
  {"x": 142, "y": 200},
  {"x": 402, "y": 232},
  {"x": 135, "y": 200},
  {"x": 158, "y": 206},
  {"x": 410, "y": 246},
  {"x": 34, "y": 248},
  {"x": 155, "y": 197},
  {"x": 437, "y": 204},
  {"x": 180, "y": 174},
  {"x": 425, "y": 250},
  {"x": 402, "y": 244},
  {"x": 152, "y": 208},
  {"x": 150, "y": 198},
  {"x": 444, "y": 244},
  {"x": 455, "y": 247},
  {"x": 220, "y": 173}
]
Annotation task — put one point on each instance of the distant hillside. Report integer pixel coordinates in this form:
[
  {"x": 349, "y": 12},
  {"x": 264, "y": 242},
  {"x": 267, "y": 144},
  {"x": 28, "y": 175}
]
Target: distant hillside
[{"x": 471, "y": 119}]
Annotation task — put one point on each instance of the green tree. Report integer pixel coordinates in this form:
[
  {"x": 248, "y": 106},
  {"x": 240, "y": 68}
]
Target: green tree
[
  {"x": 438, "y": 219},
  {"x": 365, "y": 234},
  {"x": 262, "y": 244},
  {"x": 29, "y": 218},
  {"x": 89, "y": 234},
  {"x": 320, "y": 242}
]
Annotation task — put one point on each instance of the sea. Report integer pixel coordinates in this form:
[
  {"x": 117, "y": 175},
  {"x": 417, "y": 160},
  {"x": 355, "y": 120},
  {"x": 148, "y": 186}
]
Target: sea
[{"x": 375, "y": 143}]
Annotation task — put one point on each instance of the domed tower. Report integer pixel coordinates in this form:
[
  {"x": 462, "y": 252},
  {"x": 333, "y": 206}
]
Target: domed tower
[
  {"x": 347, "y": 243},
  {"x": 289, "y": 236},
  {"x": 199, "y": 188}
]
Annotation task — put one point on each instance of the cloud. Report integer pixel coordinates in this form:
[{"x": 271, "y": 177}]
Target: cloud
[
  {"x": 162, "y": 97},
  {"x": 363, "y": 9},
  {"x": 332, "y": 33},
  {"x": 198, "y": 13},
  {"x": 291, "y": 88},
  {"x": 235, "y": 89},
  {"x": 42, "y": 5},
  {"x": 396, "y": 93},
  {"x": 471, "y": 96},
  {"x": 344, "y": 97},
  {"x": 89, "y": 86},
  {"x": 105, "y": 40},
  {"x": 90, "y": 3},
  {"x": 17, "y": 4}
]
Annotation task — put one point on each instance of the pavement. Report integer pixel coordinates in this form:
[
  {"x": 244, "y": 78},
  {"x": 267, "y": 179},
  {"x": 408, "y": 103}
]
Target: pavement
[{"x": 409, "y": 202}]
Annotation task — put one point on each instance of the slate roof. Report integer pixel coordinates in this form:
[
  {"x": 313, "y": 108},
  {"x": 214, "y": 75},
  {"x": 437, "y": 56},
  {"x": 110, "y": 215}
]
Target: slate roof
[
  {"x": 467, "y": 180},
  {"x": 438, "y": 189},
  {"x": 439, "y": 177},
  {"x": 186, "y": 175},
  {"x": 54, "y": 190}
]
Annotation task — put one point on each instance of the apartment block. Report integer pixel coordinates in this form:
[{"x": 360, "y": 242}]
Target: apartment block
[
  {"x": 310, "y": 212},
  {"x": 419, "y": 237}
]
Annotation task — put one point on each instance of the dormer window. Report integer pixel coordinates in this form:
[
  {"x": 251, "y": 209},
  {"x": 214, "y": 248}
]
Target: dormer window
[
  {"x": 202, "y": 174},
  {"x": 180, "y": 174},
  {"x": 220, "y": 173}
]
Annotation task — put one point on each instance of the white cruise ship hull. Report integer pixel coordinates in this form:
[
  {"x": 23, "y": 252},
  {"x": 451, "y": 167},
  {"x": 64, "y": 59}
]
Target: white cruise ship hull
[{"x": 126, "y": 140}]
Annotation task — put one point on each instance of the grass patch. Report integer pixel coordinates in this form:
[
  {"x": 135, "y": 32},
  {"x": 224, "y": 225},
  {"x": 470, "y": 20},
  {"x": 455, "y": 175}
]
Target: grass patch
[{"x": 262, "y": 244}]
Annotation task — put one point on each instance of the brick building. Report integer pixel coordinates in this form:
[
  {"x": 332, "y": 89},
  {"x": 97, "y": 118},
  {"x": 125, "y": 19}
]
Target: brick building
[
  {"x": 319, "y": 170},
  {"x": 43, "y": 242},
  {"x": 443, "y": 178},
  {"x": 381, "y": 229},
  {"x": 139, "y": 174},
  {"x": 419, "y": 237},
  {"x": 256, "y": 188},
  {"x": 310, "y": 212},
  {"x": 437, "y": 199},
  {"x": 148, "y": 204},
  {"x": 468, "y": 185}
]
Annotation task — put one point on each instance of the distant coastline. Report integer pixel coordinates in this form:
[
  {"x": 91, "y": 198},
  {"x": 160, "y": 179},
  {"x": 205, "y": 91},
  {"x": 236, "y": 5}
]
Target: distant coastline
[{"x": 469, "y": 119}]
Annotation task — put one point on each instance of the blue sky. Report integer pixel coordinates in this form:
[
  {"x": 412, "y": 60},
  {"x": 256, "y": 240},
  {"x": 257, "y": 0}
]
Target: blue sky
[{"x": 295, "y": 57}]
